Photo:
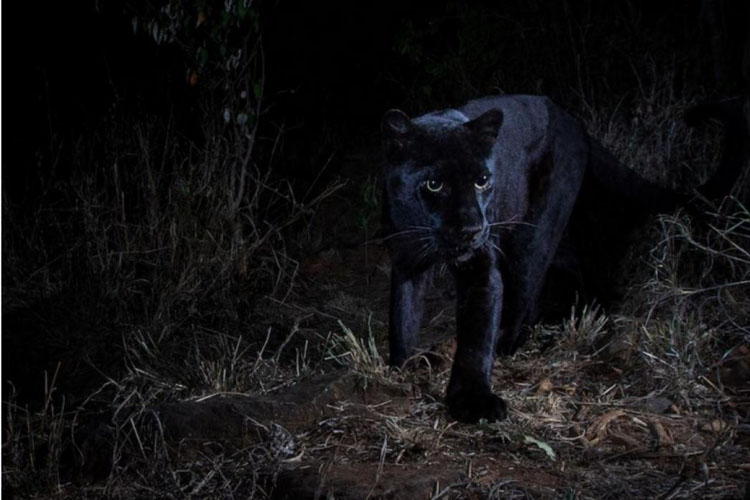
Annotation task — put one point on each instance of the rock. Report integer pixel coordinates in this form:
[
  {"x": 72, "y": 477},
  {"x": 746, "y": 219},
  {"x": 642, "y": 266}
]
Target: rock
[
  {"x": 733, "y": 370},
  {"x": 247, "y": 417},
  {"x": 658, "y": 405}
]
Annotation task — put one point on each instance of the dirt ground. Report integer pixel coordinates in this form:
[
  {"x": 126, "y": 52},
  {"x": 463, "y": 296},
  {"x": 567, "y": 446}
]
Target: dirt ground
[{"x": 585, "y": 421}]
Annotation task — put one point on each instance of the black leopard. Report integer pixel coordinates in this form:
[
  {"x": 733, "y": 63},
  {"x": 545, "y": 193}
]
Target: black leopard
[{"x": 493, "y": 189}]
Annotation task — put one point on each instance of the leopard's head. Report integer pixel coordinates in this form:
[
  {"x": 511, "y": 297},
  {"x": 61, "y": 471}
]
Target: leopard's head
[{"x": 439, "y": 184}]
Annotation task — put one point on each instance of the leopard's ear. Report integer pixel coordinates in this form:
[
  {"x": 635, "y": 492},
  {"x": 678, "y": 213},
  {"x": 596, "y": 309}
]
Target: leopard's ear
[
  {"x": 486, "y": 126},
  {"x": 395, "y": 121},
  {"x": 398, "y": 131}
]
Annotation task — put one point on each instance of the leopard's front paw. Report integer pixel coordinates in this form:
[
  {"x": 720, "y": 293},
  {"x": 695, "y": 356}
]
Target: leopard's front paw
[{"x": 470, "y": 406}]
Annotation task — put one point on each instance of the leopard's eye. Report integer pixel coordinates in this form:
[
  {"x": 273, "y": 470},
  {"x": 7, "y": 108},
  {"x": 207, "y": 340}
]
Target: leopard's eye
[
  {"x": 482, "y": 182},
  {"x": 434, "y": 186}
]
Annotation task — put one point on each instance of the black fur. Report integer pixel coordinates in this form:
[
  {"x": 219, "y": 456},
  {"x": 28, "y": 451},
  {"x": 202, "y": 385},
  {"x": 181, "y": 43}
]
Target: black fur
[{"x": 491, "y": 189}]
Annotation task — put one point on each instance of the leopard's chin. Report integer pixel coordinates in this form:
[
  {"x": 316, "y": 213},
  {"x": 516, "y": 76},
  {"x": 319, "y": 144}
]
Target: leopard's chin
[
  {"x": 464, "y": 256},
  {"x": 458, "y": 255}
]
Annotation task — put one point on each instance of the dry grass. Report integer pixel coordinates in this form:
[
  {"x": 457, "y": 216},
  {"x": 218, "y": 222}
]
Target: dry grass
[
  {"x": 646, "y": 131},
  {"x": 359, "y": 355},
  {"x": 598, "y": 415},
  {"x": 646, "y": 401},
  {"x": 33, "y": 441},
  {"x": 168, "y": 254},
  {"x": 154, "y": 253}
]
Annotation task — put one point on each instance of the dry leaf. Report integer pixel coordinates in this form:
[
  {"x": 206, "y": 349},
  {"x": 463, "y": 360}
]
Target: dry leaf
[
  {"x": 661, "y": 434},
  {"x": 717, "y": 425},
  {"x": 545, "y": 386},
  {"x": 201, "y": 19},
  {"x": 597, "y": 431},
  {"x": 582, "y": 412},
  {"x": 625, "y": 439}
]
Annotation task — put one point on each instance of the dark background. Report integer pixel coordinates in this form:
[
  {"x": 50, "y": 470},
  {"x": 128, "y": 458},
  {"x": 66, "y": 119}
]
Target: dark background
[{"x": 333, "y": 68}]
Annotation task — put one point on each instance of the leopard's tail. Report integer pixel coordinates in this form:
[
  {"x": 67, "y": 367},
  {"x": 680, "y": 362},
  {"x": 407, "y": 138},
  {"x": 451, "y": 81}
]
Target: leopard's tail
[
  {"x": 639, "y": 193},
  {"x": 734, "y": 115}
]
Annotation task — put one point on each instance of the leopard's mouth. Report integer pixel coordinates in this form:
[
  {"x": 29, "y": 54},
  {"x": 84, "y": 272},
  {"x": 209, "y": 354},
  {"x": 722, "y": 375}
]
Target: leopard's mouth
[{"x": 460, "y": 254}]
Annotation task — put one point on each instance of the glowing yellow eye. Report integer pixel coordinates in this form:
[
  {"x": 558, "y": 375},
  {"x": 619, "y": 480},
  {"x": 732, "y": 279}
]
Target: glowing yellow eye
[
  {"x": 434, "y": 186},
  {"x": 482, "y": 182}
]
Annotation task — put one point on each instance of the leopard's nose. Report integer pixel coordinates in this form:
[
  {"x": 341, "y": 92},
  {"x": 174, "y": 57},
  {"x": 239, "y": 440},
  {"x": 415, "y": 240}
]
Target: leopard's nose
[{"x": 470, "y": 234}]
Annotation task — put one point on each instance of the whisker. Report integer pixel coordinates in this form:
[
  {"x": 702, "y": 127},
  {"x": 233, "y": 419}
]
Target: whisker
[
  {"x": 401, "y": 233},
  {"x": 411, "y": 229},
  {"x": 443, "y": 269},
  {"x": 423, "y": 238},
  {"x": 424, "y": 252},
  {"x": 511, "y": 223},
  {"x": 499, "y": 250}
]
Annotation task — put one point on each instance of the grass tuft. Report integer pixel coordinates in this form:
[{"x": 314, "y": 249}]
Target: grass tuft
[{"x": 357, "y": 354}]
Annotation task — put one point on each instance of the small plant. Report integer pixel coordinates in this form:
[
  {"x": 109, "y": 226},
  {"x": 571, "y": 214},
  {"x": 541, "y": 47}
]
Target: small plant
[
  {"x": 583, "y": 330},
  {"x": 34, "y": 443},
  {"x": 361, "y": 355},
  {"x": 586, "y": 328},
  {"x": 369, "y": 205}
]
